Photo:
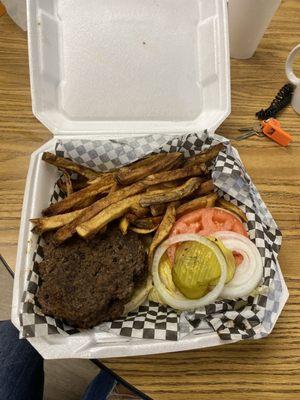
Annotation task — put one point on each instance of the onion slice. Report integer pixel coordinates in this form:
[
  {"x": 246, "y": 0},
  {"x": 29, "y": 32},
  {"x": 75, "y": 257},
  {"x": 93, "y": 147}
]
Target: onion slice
[
  {"x": 249, "y": 273},
  {"x": 178, "y": 301},
  {"x": 140, "y": 294}
]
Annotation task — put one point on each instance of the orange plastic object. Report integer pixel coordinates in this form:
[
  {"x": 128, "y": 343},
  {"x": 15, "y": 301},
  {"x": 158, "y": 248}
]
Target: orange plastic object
[
  {"x": 272, "y": 128},
  {"x": 2, "y": 9}
]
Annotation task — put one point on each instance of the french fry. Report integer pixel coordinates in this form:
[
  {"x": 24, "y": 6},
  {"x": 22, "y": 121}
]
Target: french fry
[
  {"x": 68, "y": 230},
  {"x": 147, "y": 223},
  {"x": 140, "y": 163},
  {"x": 133, "y": 166},
  {"x": 201, "y": 202},
  {"x": 114, "y": 187},
  {"x": 131, "y": 217},
  {"x": 227, "y": 205},
  {"x": 158, "y": 209},
  {"x": 87, "y": 202},
  {"x": 68, "y": 185},
  {"x": 150, "y": 165},
  {"x": 211, "y": 200},
  {"x": 62, "y": 185},
  {"x": 139, "y": 211},
  {"x": 75, "y": 200},
  {"x": 79, "y": 183},
  {"x": 205, "y": 188},
  {"x": 106, "y": 176},
  {"x": 50, "y": 223},
  {"x": 124, "y": 224},
  {"x": 184, "y": 172},
  {"x": 162, "y": 231},
  {"x": 158, "y": 191},
  {"x": 177, "y": 203},
  {"x": 143, "y": 231},
  {"x": 148, "y": 160},
  {"x": 63, "y": 163},
  {"x": 91, "y": 227},
  {"x": 160, "y": 186},
  {"x": 204, "y": 156},
  {"x": 169, "y": 195},
  {"x": 68, "y": 182}
]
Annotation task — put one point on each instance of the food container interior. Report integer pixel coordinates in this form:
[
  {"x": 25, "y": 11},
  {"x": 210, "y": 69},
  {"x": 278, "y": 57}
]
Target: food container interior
[
  {"x": 91, "y": 343},
  {"x": 129, "y": 67},
  {"x": 94, "y": 342}
]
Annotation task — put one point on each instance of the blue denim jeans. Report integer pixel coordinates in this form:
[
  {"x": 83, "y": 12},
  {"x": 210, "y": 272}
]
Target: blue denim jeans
[{"x": 22, "y": 370}]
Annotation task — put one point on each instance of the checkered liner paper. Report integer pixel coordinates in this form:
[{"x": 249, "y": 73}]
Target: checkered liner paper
[{"x": 251, "y": 317}]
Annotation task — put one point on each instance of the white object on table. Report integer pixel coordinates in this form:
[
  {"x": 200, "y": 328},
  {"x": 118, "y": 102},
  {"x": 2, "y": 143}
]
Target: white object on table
[
  {"x": 248, "y": 21},
  {"x": 17, "y": 11},
  {"x": 293, "y": 78}
]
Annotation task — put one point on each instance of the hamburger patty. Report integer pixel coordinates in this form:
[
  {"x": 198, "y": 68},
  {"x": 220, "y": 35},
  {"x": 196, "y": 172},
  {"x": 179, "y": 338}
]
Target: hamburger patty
[{"x": 86, "y": 283}]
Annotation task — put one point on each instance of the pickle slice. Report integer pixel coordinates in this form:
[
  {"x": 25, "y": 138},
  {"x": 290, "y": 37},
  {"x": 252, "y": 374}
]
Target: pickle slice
[
  {"x": 228, "y": 257},
  {"x": 195, "y": 267}
]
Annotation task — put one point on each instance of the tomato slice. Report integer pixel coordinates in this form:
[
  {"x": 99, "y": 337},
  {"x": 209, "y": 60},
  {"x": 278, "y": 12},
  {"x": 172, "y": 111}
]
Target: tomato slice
[{"x": 205, "y": 222}]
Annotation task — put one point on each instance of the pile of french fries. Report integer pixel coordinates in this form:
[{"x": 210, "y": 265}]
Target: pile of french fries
[{"x": 146, "y": 196}]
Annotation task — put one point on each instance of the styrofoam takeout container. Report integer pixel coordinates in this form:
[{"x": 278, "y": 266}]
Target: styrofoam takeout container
[{"x": 112, "y": 69}]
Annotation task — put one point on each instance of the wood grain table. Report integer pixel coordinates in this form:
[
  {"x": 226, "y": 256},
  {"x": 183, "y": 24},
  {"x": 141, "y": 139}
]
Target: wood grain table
[{"x": 265, "y": 369}]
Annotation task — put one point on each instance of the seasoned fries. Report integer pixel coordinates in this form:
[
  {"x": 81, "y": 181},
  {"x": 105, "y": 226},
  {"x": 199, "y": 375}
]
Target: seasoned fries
[
  {"x": 166, "y": 195},
  {"x": 139, "y": 211},
  {"x": 159, "y": 186},
  {"x": 158, "y": 209},
  {"x": 63, "y": 163},
  {"x": 50, "y": 223},
  {"x": 75, "y": 200},
  {"x": 114, "y": 188},
  {"x": 68, "y": 183},
  {"x": 124, "y": 224},
  {"x": 143, "y": 231},
  {"x": 185, "y": 172},
  {"x": 147, "y": 223},
  {"x": 148, "y": 166},
  {"x": 146, "y": 195},
  {"x": 227, "y": 205},
  {"x": 106, "y": 177},
  {"x": 205, "y": 188},
  {"x": 86, "y": 202},
  {"x": 205, "y": 156},
  {"x": 131, "y": 217},
  {"x": 201, "y": 202},
  {"x": 68, "y": 230},
  {"x": 79, "y": 183},
  {"x": 163, "y": 230},
  {"x": 114, "y": 211}
]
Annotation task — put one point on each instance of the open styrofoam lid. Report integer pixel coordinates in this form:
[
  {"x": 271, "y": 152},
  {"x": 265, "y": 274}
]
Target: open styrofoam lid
[{"x": 129, "y": 66}]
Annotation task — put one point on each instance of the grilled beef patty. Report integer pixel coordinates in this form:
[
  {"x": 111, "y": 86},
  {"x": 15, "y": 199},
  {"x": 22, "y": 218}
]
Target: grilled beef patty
[{"x": 87, "y": 282}]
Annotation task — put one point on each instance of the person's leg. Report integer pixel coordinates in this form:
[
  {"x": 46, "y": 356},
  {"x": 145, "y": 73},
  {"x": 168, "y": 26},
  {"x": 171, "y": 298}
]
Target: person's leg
[
  {"x": 21, "y": 366},
  {"x": 100, "y": 387}
]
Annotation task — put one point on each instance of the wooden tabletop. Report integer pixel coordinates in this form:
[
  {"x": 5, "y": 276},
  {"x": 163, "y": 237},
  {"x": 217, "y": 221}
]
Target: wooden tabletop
[{"x": 265, "y": 369}]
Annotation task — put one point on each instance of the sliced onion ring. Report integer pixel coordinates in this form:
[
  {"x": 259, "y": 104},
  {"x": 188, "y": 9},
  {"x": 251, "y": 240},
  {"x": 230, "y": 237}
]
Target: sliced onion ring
[
  {"x": 139, "y": 295},
  {"x": 249, "y": 273},
  {"x": 179, "y": 302}
]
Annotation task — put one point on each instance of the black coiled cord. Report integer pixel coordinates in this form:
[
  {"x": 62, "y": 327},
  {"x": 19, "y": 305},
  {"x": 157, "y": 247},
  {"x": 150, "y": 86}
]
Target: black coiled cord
[{"x": 282, "y": 99}]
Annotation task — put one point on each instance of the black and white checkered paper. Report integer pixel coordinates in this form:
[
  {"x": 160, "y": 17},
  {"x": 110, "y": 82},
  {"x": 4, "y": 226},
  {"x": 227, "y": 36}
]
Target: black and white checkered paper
[{"x": 245, "y": 318}]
